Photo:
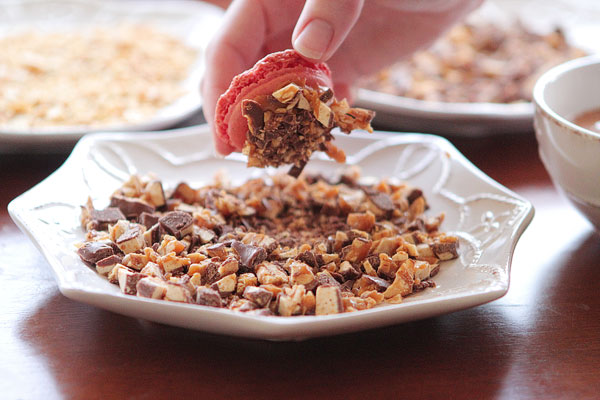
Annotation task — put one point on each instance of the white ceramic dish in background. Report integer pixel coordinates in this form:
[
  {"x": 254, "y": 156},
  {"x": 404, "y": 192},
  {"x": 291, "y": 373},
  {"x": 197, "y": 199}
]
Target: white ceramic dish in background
[
  {"x": 487, "y": 217},
  {"x": 571, "y": 154},
  {"x": 579, "y": 21},
  {"x": 193, "y": 22}
]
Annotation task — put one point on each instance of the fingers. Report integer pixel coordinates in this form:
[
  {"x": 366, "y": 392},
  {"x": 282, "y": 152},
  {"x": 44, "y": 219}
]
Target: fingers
[
  {"x": 323, "y": 25},
  {"x": 234, "y": 49}
]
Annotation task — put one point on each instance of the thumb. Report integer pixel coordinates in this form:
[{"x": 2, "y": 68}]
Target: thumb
[{"x": 322, "y": 27}]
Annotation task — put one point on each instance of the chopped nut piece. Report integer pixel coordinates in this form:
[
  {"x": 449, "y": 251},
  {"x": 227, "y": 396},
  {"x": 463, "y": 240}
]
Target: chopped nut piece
[
  {"x": 403, "y": 281},
  {"x": 229, "y": 266},
  {"x": 152, "y": 269},
  {"x": 286, "y": 93},
  {"x": 357, "y": 251},
  {"x": 226, "y": 285},
  {"x": 361, "y": 221},
  {"x": 269, "y": 273},
  {"x": 300, "y": 273},
  {"x": 154, "y": 194},
  {"x": 135, "y": 261}
]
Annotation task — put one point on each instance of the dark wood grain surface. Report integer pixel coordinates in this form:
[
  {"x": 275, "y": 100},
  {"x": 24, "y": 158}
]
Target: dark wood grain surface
[{"x": 541, "y": 340}]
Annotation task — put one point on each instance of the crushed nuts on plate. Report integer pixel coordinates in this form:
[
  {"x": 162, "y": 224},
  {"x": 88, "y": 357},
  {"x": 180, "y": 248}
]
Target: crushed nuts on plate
[
  {"x": 95, "y": 77},
  {"x": 271, "y": 246},
  {"x": 477, "y": 63}
]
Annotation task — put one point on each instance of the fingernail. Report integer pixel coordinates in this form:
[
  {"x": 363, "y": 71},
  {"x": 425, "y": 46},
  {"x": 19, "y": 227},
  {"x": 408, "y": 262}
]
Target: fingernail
[{"x": 314, "y": 39}]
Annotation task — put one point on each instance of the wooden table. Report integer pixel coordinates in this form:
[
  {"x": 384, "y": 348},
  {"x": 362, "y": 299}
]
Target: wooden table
[{"x": 542, "y": 340}]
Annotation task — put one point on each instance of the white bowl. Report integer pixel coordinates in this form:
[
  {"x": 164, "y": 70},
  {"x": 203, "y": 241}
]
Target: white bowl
[{"x": 570, "y": 153}]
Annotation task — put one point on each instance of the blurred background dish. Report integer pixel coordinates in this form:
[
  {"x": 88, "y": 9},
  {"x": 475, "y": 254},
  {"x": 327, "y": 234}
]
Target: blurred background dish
[
  {"x": 69, "y": 67},
  {"x": 477, "y": 80},
  {"x": 570, "y": 153}
]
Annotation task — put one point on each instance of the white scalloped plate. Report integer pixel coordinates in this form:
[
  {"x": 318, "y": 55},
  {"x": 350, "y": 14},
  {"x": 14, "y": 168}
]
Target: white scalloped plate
[
  {"x": 193, "y": 22},
  {"x": 487, "y": 217}
]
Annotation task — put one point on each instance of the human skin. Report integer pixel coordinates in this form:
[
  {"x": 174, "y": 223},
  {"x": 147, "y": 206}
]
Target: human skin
[{"x": 355, "y": 37}]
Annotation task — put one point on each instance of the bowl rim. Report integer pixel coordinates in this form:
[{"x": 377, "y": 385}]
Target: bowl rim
[{"x": 554, "y": 74}]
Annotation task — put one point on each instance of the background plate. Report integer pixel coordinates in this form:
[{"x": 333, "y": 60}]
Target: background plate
[
  {"x": 193, "y": 22},
  {"x": 579, "y": 21},
  {"x": 487, "y": 217}
]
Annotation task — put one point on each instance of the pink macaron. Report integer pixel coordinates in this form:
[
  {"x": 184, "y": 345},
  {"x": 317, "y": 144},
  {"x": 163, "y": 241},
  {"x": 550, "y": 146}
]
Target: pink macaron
[{"x": 268, "y": 75}]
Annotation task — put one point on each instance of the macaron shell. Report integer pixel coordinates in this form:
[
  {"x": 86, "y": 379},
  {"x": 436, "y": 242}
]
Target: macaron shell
[{"x": 271, "y": 73}]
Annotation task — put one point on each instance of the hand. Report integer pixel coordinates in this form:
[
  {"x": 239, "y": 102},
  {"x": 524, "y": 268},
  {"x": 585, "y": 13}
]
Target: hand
[{"x": 355, "y": 37}]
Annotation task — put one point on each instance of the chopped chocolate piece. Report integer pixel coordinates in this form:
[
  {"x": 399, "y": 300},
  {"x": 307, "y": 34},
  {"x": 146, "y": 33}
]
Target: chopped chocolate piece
[
  {"x": 383, "y": 201},
  {"x": 132, "y": 239},
  {"x": 373, "y": 260},
  {"x": 250, "y": 256},
  {"x": 225, "y": 285},
  {"x": 152, "y": 288},
  {"x": 106, "y": 265},
  {"x": 258, "y": 295},
  {"x": 184, "y": 192},
  {"x": 296, "y": 170},
  {"x": 91, "y": 252},
  {"x": 308, "y": 257},
  {"x": 178, "y": 292},
  {"x": 131, "y": 207},
  {"x": 205, "y": 235},
  {"x": 211, "y": 274},
  {"x": 417, "y": 287},
  {"x": 328, "y": 300},
  {"x": 376, "y": 283},
  {"x": 208, "y": 297},
  {"x": 326, "y": 279},
  {"x": 254, "y": 114},
  {"x": 217, "y": 250},
  {"x": 101, "y": 218},
  {"x": 413, "y": 195},
  {"x": 445, "y": 250},
  {"x": 326, "y": 94},
  {"x": 177, "y": 223},
  {"x": 128, "y": 280},
  {"x": 348, "y": 271},
  {"x": 148, "y": 220},
  {"x": 152, "y": 235}
]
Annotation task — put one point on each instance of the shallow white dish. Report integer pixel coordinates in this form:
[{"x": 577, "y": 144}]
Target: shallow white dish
[
  {"x": 487, "y": 217},
  {"x": 193, "y": 22},
  {"x": 578, "y": 20}
]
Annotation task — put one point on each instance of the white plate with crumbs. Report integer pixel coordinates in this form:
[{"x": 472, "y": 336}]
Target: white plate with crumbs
[
  {"x": 70, "y": 67},
  {"x": 443, "y": 101},
  {"x": 487, "y": 218}
]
